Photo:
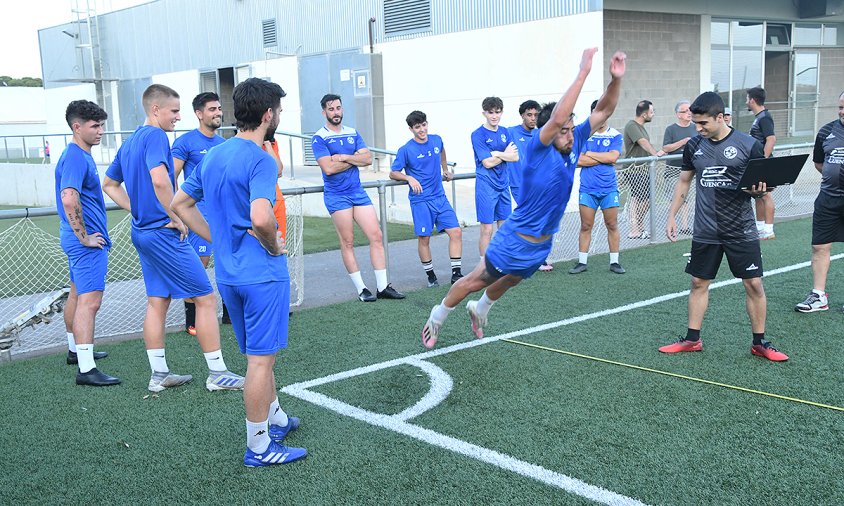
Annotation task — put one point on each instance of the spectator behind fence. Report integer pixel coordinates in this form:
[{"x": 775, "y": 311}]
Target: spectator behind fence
[
  {"x": 763, "y": 131},
  {"x": 828, "y": 218},
  {"x": 673, "y": 141},
  {"x": 728, "y": 116},
  {"x": 637, "y": 144},
  {"x": 599, "y": 189}
]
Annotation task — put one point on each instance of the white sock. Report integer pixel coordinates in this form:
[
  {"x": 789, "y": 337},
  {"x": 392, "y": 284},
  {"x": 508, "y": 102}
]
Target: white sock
[
  {"x": 85, "y": 355},
  {"x": 357, "y": 280},
  {"x": 760, "y": 225},
  {"x": 820, "y": 293},
  {"x": 484, "y": 304},
  {"x": 215, "y": 361},
  {"x": 71, "y": 342},
  {"x": 613, "y": 257},
  {"x": 157, "y": 360},
  {"x": 277, "y": 416},
  {"x": 381, "y": 279},
  {"x": 257, "y": 436},
  {"x": 440, "y": 312},
  {"x": 582, "y": 257},
  {"x": 769, "y": 228}
]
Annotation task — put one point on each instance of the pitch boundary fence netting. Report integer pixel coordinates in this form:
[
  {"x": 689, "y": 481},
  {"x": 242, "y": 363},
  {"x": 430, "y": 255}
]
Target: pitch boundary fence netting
[{"x": 34, "y": 265}]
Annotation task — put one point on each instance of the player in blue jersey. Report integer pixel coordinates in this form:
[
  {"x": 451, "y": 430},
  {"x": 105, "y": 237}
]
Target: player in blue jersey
[
  {"x": 599, "y": 189},
  {"x": 171, "y": 268},
  {"x": 339, "y": 150},
  {"x": 520, "y": 135},
  {"x": 494, "y": 150},
  {"x": 423, "y": 160},
  {"x": 83, "y": 233},
  {"x": 524, "y": 241},
  {"x": 238, "y": 181},
  {"x": 188, "y": 151}
]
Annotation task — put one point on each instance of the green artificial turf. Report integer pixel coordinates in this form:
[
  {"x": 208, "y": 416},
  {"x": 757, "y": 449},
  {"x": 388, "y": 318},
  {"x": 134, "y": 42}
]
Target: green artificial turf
[{"x": 658, "y": 439}]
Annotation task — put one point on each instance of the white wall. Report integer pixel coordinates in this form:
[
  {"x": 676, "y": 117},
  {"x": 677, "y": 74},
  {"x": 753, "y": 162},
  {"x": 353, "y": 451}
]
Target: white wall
[
  {"x": 448, "y": 76},
  {"x": 186, "y": 84}
]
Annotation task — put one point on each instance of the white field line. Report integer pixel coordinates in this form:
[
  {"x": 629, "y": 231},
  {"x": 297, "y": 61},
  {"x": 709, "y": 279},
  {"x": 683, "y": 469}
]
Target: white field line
[{"x": 442, "y": 384}]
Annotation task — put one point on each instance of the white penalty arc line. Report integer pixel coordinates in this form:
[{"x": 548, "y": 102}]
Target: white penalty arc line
[{"x": 413, "y": 359}]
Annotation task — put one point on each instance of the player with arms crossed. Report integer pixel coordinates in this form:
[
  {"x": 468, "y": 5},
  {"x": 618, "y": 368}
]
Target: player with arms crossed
[
  {"x": 339, "y": 150},
  {"x": 424, "y": 162},
  {"x": 170, "y": 266},
  {"x": 724, "y": 221},
  {"x": 524, "y": 240},
  {"x": 188, "y": 151},
  {"x": 83, "y": 233},
  {"x": 238, "y": 181}
]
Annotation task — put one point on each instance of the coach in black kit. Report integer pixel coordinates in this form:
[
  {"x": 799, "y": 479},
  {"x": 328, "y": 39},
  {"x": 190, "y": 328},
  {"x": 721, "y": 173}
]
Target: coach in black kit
[{"x": 724, "y": 221}]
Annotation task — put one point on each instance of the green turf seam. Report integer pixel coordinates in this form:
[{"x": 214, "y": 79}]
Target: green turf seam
[{"x": 675, "y": 375}]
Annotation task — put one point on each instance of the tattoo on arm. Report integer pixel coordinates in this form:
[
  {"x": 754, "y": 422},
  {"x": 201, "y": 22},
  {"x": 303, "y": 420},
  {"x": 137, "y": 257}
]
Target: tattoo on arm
[{"x": 77, "y": 222}]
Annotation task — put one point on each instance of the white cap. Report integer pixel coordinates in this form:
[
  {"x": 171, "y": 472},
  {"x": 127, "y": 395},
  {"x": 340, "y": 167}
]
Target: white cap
[{"x": 728, "y": 111}]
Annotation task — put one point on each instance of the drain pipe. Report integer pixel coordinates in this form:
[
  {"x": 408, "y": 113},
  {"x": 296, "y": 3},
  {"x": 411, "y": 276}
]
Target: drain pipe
[{"x": 371, "y": 35}]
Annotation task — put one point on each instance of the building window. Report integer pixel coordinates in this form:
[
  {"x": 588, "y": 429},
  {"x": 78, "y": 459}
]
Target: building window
[
  {"x": 807, "y": 35},
  {"x": 269, "y": 31},
  {"x": 406, "y": 16}
]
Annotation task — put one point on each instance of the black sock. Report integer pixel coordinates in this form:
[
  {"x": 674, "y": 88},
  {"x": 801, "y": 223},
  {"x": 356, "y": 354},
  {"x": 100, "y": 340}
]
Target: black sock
[
  {"x": 190, "y": 314},
  {"x": 693, "y": 335},
  {"x": 429, "y": 269},
  {"x": 226, "y": 318},
  {"x": 456, "y": 265},
  {"x": 758, "y": 338}
]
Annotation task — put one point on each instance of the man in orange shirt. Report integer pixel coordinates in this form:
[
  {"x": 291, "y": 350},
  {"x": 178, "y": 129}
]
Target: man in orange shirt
[{"x": 279, "y": 209}]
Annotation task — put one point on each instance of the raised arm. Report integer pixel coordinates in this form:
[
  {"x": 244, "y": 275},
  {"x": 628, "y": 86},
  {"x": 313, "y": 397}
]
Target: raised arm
[
  {"x": 606, "y": 104},
  {"x": 565, "y": 107}
]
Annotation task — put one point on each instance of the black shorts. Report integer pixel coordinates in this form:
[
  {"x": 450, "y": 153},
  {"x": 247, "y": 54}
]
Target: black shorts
[
  {"x": 828, "y": 219},
  {"x": 745, "y": 259}
]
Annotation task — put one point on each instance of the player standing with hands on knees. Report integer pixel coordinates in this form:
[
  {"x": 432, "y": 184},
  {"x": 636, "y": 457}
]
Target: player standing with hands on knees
[
  {"x": 724, "y": 221},
  {"x": 523, "y": 242}
]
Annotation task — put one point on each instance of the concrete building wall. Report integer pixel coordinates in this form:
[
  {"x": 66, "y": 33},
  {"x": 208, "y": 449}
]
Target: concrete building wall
[
  {"x": 831, "y": 77},
  {"x": 663, "y": 63}
]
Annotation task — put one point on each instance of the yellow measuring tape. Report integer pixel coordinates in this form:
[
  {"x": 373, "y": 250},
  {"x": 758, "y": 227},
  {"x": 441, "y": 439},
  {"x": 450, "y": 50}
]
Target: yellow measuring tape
[{"x": 675, "y": 375}]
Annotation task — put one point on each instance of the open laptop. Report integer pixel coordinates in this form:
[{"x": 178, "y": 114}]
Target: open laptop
[{"x": 772, "y": 171}]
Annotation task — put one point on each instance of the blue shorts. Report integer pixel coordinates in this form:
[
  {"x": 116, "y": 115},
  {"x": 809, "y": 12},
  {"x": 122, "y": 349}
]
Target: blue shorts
[
  {"x": 339, "y": 201},
  {"x": 599, "y": 200},
  {"x": 259, "y": 315},
  {"x": 88, "y": 269},
  {"x": 436, "y": 211},
  {"x": 200, "y": 245},
  {"x": 509, "y": 253},
  {"x": 514, "y": 192},
  {"x": 491, "y": 205},
  {"x": 171, "y": 267}
]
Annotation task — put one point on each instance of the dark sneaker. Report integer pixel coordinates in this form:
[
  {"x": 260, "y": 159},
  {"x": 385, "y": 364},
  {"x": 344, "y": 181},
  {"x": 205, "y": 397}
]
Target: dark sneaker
[
  {"x": 72, "y": 359},
  {"x": 366, "y": 296},
  {"x": 95, "y": 378},
  {"x": 390, "y": 293},
  {"x": 617, "y": 268},
  {"x": 683, "y": 345},
  {"x": 813, "y": 302},
  {"x": 578, "y": 268},
  {"x": 768, "y": 351},
  {"x": 433, "y": 283},
  {"x": 455, "y": 276}
]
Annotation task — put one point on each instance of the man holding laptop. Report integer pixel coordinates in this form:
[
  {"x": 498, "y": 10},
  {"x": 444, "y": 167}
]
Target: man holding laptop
[{"x": 724, "y": 222}]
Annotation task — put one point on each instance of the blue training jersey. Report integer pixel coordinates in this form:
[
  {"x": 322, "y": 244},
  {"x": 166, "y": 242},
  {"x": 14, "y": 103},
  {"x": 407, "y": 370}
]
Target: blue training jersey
[
  {"x": 230, "y": 177},
  {"x": 422, "y": 161},
  {"x": 520, "y": 137},
  {"x": 601, "y": 179},
  {"x": 76, "y": 169},
  {"x": 347, "y": 142},
  {"x": 147, "y": 148},
  {"x": 546, "y": 185},
  {"x": 484, "y": 142},
  {"x": 191, "y": 148}
]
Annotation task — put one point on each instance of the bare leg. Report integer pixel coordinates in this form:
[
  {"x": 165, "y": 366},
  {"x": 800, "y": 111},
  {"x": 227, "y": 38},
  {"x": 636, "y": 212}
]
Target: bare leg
[
  {"x": 770, "y": 207},
  {"x": 70, "y": 308},
  {"x": 207, "y": 328},
  {"x": 820, "y": 265},
  {"x": 613, "y": 236},
  {"x": 757, "y": 304},
  {"x": 475, "y": 281},
  {"x": 154, "y": 322},
  {"x": 633, "y": 217},
  {"x": 698, "y": 301},
  {"x": 455, "y": 242},
  {"x": 367, "y": 220},
  {"x": 424, "y": 248},
  {"x": 259, "y": 389},
  {"x": 486, "y": 236},
  {"x": 587, "y": 221},
  {"x": 86, "y": 312},
  {"x": 497, "y": 289},
  {"x": 344, "y": 224}
]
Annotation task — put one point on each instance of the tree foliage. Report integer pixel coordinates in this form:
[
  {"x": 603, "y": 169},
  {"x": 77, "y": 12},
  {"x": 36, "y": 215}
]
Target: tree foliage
[{"x": 23, "y": 81}]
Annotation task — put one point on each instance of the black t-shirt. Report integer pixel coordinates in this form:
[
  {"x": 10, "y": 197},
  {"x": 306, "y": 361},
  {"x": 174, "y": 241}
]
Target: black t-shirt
[
  {"x": 723, "y": 213},
  {"x": 829, "y": 150},
  {"x": 763, "y": 127}
]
